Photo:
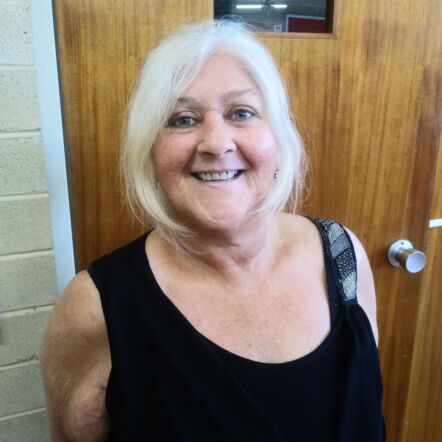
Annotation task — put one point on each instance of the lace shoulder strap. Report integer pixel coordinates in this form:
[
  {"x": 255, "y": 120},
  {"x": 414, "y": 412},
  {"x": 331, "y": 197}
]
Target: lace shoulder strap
[{"x": 339, "y": 248}]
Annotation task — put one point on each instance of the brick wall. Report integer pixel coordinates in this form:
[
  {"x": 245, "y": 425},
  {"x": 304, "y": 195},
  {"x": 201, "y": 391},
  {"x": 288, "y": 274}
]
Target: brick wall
[{"x": 27, "y": 268}]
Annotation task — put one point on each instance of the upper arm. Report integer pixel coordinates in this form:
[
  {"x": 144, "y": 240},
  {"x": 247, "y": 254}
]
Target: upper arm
[
  {"x": 75, "y": 364},
  {"x": 365, "y": 285}
]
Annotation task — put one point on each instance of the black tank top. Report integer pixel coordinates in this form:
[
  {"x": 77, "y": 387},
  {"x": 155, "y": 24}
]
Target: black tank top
[{"x": 170, "y": 383}]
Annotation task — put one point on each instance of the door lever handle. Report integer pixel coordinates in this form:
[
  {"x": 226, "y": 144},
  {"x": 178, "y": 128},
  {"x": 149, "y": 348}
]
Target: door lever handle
[{"x": 402, "y": 254}]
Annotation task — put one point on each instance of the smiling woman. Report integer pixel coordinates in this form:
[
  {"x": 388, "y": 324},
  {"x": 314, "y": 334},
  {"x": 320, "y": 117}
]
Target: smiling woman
[
  {"x": 173, "y": 67},
  {"x": 217, "y": 157},
  {"x": 230, "y": 320}
]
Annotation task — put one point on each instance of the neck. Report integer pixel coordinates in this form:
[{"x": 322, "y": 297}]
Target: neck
[{"x": 230, "y": 255}]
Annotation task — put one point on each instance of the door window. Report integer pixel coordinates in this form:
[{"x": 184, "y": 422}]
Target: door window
[{"x": 312, "y": 16}]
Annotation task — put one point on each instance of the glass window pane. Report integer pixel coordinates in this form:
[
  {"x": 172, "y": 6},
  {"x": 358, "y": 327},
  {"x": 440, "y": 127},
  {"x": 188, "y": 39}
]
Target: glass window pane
[{"x": 280, "y": 16}]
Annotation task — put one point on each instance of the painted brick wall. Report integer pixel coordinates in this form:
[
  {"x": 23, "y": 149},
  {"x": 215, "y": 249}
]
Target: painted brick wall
[{"x": 27, "y": 269}]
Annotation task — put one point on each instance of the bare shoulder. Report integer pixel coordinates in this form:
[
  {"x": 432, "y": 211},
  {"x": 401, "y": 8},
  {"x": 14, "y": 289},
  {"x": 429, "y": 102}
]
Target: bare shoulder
[
  {"x": 299, "y": 230},
  {"x": 75, "y": 363},
  {"x": 305, "y": 233},
  {"x": 302, "y": 236},
  {"x": 365, "y": 288},
  {"x": 79, "y": 307}
]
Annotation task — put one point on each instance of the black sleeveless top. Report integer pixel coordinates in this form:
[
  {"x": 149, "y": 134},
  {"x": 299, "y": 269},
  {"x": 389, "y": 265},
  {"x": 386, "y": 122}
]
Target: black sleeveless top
[{"x": 170, "y": 383}]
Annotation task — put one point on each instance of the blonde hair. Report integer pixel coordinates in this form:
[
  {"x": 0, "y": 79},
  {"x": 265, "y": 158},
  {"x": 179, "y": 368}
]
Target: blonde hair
[{"x": 167, "y": 72}]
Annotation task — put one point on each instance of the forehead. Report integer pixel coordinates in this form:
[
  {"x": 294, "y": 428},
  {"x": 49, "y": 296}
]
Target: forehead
[{"x": 222, "y": 74}]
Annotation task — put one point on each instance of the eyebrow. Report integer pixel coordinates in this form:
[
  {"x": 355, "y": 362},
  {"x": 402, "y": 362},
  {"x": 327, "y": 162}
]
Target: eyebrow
[{"x": 226, "y": 97}]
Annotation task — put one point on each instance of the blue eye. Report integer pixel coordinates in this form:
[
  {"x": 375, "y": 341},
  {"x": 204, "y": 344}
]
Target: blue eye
[
  {"x": 182, "y": 122},
  {"x": 242, "y": 114}
]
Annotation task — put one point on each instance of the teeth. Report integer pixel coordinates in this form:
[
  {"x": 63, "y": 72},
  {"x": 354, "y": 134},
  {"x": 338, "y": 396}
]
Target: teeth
[{"x": 215, "y": 176}]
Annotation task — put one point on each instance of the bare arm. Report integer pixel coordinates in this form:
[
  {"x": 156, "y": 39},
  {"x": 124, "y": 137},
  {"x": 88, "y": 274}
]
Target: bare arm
[
  {"x": 75, "y": 362},
  {"x": 366, "y": 289}
]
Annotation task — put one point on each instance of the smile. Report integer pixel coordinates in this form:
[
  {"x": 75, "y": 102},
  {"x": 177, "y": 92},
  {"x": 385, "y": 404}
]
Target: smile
[{"x": 217, "y": 176}]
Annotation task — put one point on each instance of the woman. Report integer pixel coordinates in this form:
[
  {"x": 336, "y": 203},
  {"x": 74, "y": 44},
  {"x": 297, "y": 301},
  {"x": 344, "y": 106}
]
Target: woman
[{"x": 230, "y": 320}]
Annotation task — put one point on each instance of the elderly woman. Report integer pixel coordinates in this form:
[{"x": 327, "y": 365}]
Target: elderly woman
[{"x": 230, "y": 320}]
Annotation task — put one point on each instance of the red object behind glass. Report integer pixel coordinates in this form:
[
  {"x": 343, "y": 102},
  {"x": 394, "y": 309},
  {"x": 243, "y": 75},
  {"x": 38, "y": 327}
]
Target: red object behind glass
[{"x": 298, "y": 24}]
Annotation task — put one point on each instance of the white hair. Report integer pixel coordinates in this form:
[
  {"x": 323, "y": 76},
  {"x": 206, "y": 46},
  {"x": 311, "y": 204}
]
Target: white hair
[{"x": 167, "y": 72}]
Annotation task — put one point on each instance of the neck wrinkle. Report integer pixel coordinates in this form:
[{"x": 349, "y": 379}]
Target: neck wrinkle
[{"x": 233, "y": 257}]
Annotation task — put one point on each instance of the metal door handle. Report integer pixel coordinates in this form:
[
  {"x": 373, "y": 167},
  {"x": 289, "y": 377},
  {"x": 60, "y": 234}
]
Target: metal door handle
[{"x": 402, "y": 254}]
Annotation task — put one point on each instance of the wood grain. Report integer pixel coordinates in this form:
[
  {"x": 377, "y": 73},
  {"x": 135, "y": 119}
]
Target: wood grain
[{"x": 423, "y": 416}]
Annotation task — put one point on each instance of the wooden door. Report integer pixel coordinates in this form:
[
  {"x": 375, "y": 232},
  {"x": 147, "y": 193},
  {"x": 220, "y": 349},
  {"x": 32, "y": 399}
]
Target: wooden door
[
  {"x": 368, "y": 101},
  {"x": 423, "y": 415}
]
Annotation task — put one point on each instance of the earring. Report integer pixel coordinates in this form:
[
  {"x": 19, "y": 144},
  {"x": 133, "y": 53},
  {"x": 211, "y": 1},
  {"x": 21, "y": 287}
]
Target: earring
[{"x": 276, "y": 174}]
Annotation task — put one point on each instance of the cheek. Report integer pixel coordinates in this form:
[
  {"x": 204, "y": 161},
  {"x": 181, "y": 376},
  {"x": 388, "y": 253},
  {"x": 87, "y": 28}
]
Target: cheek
[
  {"x": 170, "y": 158},
  {"x": 264, "y": 151}
]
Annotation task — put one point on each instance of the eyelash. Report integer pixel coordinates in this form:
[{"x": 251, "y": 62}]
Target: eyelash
[{"x": 175, "y": 122}]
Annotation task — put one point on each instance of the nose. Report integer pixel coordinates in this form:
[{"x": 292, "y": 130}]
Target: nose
[{"x": 216, "y": 137}]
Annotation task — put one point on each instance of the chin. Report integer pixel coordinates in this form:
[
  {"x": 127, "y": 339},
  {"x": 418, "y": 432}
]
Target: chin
[
  {"x": 220, "y": 225},
  {"x": 225, "y": 224}
]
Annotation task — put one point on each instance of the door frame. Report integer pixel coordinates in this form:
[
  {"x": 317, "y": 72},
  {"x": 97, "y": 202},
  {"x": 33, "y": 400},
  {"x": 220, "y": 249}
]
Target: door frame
[{"x": 53, "y": 140}]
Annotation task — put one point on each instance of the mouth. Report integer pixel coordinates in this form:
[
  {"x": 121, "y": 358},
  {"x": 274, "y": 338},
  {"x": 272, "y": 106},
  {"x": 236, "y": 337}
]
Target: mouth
[{"x": 218, "y": 176}]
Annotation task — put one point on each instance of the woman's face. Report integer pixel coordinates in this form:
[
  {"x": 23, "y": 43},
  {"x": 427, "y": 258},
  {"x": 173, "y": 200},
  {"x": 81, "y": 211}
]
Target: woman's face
[{"x": 216, "y": 158}]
